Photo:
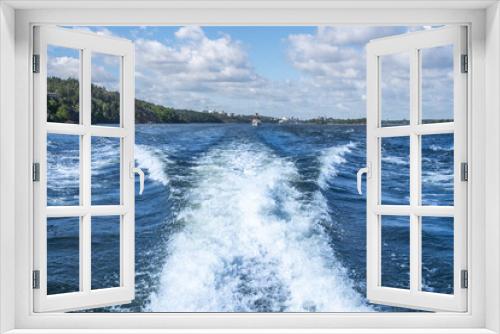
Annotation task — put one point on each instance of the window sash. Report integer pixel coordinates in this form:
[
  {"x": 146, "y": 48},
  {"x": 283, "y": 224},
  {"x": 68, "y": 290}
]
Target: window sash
[
  {"x": 87, "y": 43},
  {"x": 413, "y": 297}
]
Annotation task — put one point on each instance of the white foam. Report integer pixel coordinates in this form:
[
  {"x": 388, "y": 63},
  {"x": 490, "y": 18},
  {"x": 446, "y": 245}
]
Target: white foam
[
  {"x": 148, "y": 158},
  {"x": 445, "y": 177},
  {"x": 249, "y": 241},
  {"x": 330, "y": 160},
  {"x": 105, "y": 153},
  {"x": 62, "y": 171},
  {"x": 436, "y": 148},
  {"x": 395, "y": 160},
  {"x": 63, "y": 168}
]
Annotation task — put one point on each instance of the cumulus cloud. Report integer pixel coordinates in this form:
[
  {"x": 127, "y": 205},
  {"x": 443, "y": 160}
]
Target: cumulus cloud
[
  {"x": 437, "y": 82},
  {"x": 63, "y": 67},
  {"x": 193, "y": 66},
  {"x": 193, "y": 70},
  {"x": 395, "y": 86},
  {"x": 334, "y": 51},
  {"x": 197, "y": 71},
  {"x": 333, "y": 60},
  {"x": 190, "y": 32},
  {"x": 106, "y": 71},
  {"x": 196, "y": 58}
]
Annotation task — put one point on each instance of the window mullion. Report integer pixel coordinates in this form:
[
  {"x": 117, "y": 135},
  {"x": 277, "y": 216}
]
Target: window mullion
[
  {"x": 415, "y": 189},
  {"x": 86, "y": 175}
]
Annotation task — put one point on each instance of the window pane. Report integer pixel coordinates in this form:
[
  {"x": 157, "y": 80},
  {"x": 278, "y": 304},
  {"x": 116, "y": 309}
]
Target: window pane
[
  {"x": 63, "y": 169},
  {"x": 437, "y": 84},
  {"x": 437, "y": 254},
  {"x": 105, "y": 170},
  {"x": 395, "y": 170},
  {"x": 437, "y": 169},
  {"x": 105, "y": 252},
  {"x": 395, "y": 251},
  {"x": 63, "y": 255},
  {"x": 63, "y": 84},
  {"x": 395, "y": 89},
  {"x": 105, "y": 89}
]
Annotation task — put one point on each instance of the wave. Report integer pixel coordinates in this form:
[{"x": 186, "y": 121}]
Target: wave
[
  {"x": 63, "y": 162},
  {"x": 445, "y": 177},
  {"x": 63, "y": 169},
  {"x": 330, "y": 159},
  {"x": 395, "y": 160},
  {"x": 105, "y": 154},
  {"x": 148, "y": 158},
  {"x": 250, "y": 242},
  {"x": 437, "y": 148}
]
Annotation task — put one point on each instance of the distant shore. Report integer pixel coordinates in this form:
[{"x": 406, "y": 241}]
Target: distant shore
[{"x": 63, "y": 107}]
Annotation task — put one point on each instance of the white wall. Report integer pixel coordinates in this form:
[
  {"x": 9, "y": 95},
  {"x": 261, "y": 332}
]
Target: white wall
[
  {"x": 492, "y": 188},
  {"x": 7, "y": 176},
  {"x": 7, "y": 131}
]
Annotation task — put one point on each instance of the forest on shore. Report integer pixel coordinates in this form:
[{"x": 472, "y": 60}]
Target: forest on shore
[{"x": 63, "y": 106}]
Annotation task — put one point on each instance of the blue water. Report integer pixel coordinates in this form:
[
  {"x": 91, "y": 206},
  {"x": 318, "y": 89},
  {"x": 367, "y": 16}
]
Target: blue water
[{"x": 241, "y": 219}]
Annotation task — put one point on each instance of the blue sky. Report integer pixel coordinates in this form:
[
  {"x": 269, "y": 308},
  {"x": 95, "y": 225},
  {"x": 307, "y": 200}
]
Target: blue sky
[
  {"x": 278, "y": 71},
  {"x": 265, "y": 46}
]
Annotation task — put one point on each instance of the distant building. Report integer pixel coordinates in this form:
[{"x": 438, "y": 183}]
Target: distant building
[
  {"x": 283, "y": 120},
  {"x": 256, "y": 120}
]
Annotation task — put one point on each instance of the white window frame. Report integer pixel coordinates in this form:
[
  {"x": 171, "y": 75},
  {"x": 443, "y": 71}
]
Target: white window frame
[
  {"x": 16, "y": 20},
  {"x": 86, "y": 43},
  {"x": 412, "y": 44}
]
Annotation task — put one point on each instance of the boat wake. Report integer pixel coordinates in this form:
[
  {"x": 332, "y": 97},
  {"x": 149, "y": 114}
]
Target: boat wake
[
  {"x": 330, "y": 160},
  {"x": 151, "y": 161},
  {"x": 251, "y": 242}
]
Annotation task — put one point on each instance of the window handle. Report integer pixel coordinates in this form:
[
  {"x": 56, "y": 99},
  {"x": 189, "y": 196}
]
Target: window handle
[
  {"x": 361, "y": 171},
  {"x": 136, "y": 170}
]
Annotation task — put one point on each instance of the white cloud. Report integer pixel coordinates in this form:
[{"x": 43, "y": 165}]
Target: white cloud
[
  {"x": 69, "y": 67},
  {"x": 334, "y": 51},
  {"x": 333, "y": 60},
  {"x": 190, "y": 32},
  {"x": 437, "y": 82},
  {"x": 63, "y": 67},
  {"x": 105, "y": 68},
  {"x": 186, "y": 73},
  {"x": 197, "y": 71},
  {"x": 106, "y": 71}
]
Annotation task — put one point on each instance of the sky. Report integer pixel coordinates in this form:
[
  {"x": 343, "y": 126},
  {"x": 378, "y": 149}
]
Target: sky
[{"x": 302, "y": 72}]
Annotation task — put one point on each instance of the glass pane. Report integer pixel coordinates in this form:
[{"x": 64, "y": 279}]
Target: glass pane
[
  {"x": 105, "y": 89},
  {"x": 105, "y": 252},
  {"x": 63, "y": 169},
  {"x": 395, "y": 260},
  {"x": 105, "y": 170},
  {"x": 437, "y": 169},
  {"x": 395, "y": 89},
  {"x": 437, "y": 84},
  {"x": 395, "y": 170},
  {"x": 63, "y": 84},
  {"x": 437, "y": 254},
  {"x": 63, "y": 255}
]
